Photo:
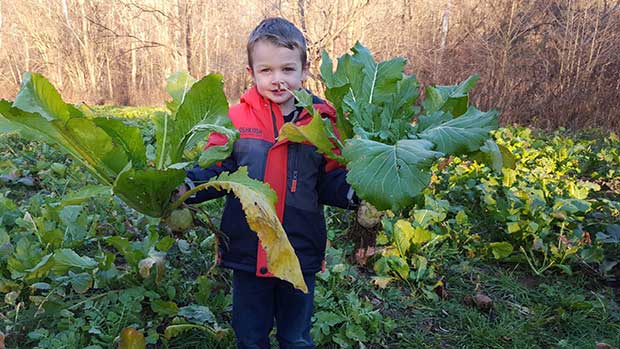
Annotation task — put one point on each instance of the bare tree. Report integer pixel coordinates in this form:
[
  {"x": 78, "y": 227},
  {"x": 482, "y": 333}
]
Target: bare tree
[{"x": 547, "y": 63}]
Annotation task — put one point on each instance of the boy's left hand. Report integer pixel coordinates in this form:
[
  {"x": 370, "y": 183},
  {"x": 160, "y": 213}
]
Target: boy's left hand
[{"x": 181, "y": 189}]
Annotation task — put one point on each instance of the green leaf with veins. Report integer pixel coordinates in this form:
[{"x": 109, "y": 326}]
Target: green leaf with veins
[
  {"x": 148, "y": 190},
  {"x": 94, "y": 150},
  {"x": 451, "y": 99},
  {"x": 463, "y": 134},
  {"x": 204, "y": 103},
  {"x": 127, "y": 137},
  {"x": 380, "y": 79},
  {"x": 67, "y": 259},
  {"x": 389, "y": 176},
  {"x": 178, "y": 84},
  {"x": 37, "y": 95}
]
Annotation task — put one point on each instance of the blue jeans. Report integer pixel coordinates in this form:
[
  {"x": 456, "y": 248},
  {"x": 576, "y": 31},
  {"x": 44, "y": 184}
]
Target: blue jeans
[{"x": 256, "y": 301}]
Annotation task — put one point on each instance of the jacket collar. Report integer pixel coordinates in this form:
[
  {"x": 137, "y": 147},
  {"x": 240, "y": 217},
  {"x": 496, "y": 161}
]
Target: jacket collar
[{"x": 261, "y": 104}]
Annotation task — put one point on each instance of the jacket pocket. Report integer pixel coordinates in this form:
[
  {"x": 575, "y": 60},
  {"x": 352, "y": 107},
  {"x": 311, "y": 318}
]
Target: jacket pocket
[{"x": 302, "y": 177}]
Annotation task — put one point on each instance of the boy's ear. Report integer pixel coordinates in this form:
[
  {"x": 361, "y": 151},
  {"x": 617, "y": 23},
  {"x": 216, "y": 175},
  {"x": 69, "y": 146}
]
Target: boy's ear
[
  {"x": 250, "y": 71},
  {"x": 304, "y": 71}
]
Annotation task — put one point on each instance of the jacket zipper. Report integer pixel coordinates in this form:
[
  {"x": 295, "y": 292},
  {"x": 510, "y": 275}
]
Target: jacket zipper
[
  {"x": 294, "y": 184},
  {"x": 295, "y": 167},
  {"x": 275, "y": 124}
]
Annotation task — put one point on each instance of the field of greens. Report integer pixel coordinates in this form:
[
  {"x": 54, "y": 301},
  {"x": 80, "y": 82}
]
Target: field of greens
[
  {"x": 485, "y": 236},
  {"x": 522, "y": 258}
]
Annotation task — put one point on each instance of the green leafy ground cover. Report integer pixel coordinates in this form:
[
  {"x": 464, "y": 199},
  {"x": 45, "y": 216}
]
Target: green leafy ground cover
[{"x": 542, "y": 242}]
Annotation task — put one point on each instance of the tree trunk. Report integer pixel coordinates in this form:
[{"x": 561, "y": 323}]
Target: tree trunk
[
  {"x": 89, "y": 53},
  {"x": 206, "y": 39},
  {"x": 445, "y": 26}
]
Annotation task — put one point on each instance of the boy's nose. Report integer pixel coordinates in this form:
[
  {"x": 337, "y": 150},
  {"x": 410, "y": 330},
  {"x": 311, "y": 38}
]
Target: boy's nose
[{"x": 279, "y": 84}]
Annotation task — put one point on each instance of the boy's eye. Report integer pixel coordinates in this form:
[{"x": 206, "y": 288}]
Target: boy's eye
[
  {"x": 264, "y": 70},
  {"x": 289, "y": 69}
]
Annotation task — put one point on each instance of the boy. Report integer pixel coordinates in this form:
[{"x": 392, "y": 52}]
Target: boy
[{"x": 303, "y": 180}]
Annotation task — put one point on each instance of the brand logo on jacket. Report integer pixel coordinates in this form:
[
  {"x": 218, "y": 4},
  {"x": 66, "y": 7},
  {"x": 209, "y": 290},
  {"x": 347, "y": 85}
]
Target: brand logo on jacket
[{"x": 254, "y": 131}]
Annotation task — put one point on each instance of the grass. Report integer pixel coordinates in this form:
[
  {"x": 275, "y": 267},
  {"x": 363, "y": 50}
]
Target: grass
[
  {"x": 549, "y": 312},
  {"x": 140, "y": 112}
]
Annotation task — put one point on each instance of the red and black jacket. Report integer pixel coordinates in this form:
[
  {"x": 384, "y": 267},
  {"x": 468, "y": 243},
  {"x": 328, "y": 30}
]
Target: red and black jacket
[{"x": 303, "y": 179}]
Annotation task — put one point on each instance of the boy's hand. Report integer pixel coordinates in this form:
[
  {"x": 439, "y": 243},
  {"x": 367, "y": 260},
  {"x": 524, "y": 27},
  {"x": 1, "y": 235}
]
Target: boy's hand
[
  {"x": 181, "y": 189},
  {"x": 368, "y": 216}
]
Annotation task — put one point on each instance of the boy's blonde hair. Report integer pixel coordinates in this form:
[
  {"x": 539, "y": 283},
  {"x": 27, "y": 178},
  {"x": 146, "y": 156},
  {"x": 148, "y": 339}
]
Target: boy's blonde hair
[{"x": 279, "y": 32}]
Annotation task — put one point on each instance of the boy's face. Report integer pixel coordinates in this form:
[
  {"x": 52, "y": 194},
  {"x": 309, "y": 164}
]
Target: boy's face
[{"x": 275, "y": 69}]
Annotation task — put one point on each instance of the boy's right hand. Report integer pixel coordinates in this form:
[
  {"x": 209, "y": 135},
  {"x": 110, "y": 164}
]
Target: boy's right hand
[{"x": 368, "y": 216}]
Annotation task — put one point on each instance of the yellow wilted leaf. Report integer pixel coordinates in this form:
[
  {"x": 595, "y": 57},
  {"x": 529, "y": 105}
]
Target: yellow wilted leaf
[
  {"x": 421, "y": 235},
  {"x": 156, "y": 259},
  {"x": 389, "y": 251},
  {"x": 131, "y": 339},
  {"x": 509, "y": 177},
  {"x": 258, "y": 201},
  {"x": 403, "y": 233},
  {"x": 382, "y": 281}
]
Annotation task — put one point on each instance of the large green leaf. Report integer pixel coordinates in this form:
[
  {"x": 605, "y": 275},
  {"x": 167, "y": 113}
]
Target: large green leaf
[
  {"x": 67, "y": 259},
  {"x": 127, "y": 137},
  {"x": 380, "y": 79},
  {"x": 395, "y": 118},
  {"x": 94, "y": 145},
  {"x": 378, "y": 97},
  {"x": 39, "y": 107},
  {"x": 148, "y": 190},
  {"x": 204, "y": 103},
  {"x": 37, "y": 95},
  {"x": 102, "y": 146},
  {"x": 451, "y": 99},
  {"x": 178, "y": 84},
  {"x": 389, "y": 176},
  {"x": 463, "y": 134},
  {"x": 65, "y": 135}
]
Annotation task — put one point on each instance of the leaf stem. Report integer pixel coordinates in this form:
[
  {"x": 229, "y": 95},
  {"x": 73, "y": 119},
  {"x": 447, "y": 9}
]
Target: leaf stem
[{"x": 186, "y": 196}]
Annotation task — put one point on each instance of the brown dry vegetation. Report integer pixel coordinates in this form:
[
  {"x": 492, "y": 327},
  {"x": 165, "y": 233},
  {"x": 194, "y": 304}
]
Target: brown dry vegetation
[{"x": 545, "y": 63}]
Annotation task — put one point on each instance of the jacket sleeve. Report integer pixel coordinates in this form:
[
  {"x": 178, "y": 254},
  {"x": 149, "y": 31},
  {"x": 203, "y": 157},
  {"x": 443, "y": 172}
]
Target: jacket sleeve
[
  {"x": 333, "y": 187},
  {"x": 332, "y": 184},
  {"x": 198, "y": 175}
]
